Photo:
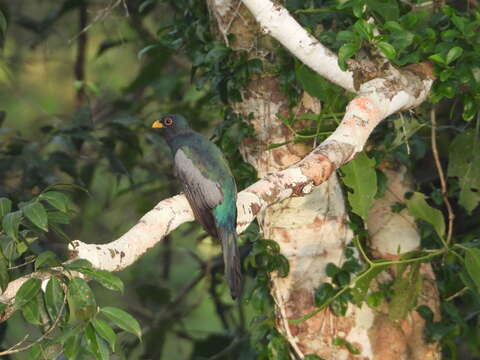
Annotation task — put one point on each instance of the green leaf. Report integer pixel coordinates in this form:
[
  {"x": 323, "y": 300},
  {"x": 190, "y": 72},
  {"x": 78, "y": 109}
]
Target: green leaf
[
  {"x": 46, "y": 258},
  {"x": 387, "y": 9},
  {"x": 217, "y": 52},
  {"x": 315, "y": 85},
  {"x": 345, "y": 52},
  {"x": 418, "y": 207},
  {"x": 4, "y": 276},
  {"x": 324, "y": 292},
  {"x": 58, "y": 217},
  {"x": 453, "y": 54},
  {"x": 394, "y": 26},
  {"x": 347, "y": 36},
  {"x": 123, "y": 319},
  {"x": 309, "y": 81},
  {"x": 361, "y": 177},
  {"x": 437, "y": 58},
  {"x": 446, "y": 74},
  {"x": 406, "y": 290},
  {"x": 54, "y": 297},
  {"x": 358, "y": 9},
  {"x": 72, "y": 345},
  {"x": 363, "y": 284},
  {"x": 8, "y": 248},
  {"x": 472, "y": 263},
  {"x": 387, "y": 49},
  {"x": 78, "y": 264},
  {"x": 318, "y": 87},
  {"x": 105, "y": 278},
  {"x": 343, "y": 342},
  {"x": 31, "y": 311},
  {"x": 57, "y": 199},
  {"x": 374, "y": 299},
  {"x": 405, "y": 128},
  {"x": 459, "y": 22},
  {"x": 35, "y": 352},
  {"x": 81, "y": 300},
  {"x": 464, "y": 163},
  {"x": 364, "y": 29},
  {"x": 278, "y": 349},
  {"x": 450, "y": 35},
  {"x": 27, "y": 292},
  {"x": 105, "y": 331},
  {"x": 331, "y": 270},
  {"x": 339, "y": 308},
  {"x": 469, "y": 108},
  {"x": 11, "y": 222},
  {"x": 260, "y": 299},
  {"x": 5, "y": 206},
  {"x": 96, "y": 345},
  {"x": 36, "y": 213}
]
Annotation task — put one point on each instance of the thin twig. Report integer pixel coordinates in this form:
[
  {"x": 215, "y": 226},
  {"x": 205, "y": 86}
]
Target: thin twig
[
  {"x": 441, "y": 175},
  {"x": 13, "y": 349},
  {"x": 458, "y": 293},
  {"x": 23, "y": 264},
  {"x": 100, "y": 16},
  {"x": 236, "y": 341}
]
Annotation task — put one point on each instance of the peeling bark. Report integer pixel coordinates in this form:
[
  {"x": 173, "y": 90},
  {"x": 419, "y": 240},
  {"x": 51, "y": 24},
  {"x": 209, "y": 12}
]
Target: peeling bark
[{"x": 392, "y": 234}]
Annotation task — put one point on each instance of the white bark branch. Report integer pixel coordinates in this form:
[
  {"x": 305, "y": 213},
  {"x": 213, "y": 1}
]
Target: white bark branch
[{"x": 276, "y": 21}]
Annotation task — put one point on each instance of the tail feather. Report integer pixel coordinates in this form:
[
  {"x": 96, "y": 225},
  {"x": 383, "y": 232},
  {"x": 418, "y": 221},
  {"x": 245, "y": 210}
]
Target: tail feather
[{"x": 231, "y": 257}]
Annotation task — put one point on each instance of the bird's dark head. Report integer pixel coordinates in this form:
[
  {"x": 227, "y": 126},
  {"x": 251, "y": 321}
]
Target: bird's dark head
[{"x": 172, "y": 125}]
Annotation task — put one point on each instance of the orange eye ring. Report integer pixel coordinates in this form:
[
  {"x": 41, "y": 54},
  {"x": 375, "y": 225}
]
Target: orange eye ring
[{"x": 168, "y": 120}]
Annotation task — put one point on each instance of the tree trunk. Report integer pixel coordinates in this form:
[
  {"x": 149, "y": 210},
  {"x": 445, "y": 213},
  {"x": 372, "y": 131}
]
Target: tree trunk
[{"x": 312, "y": 230}]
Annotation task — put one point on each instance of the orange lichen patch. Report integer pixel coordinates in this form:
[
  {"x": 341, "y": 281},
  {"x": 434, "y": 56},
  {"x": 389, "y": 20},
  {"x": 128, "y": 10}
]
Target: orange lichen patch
[
  {"x": 282, "y": 234},
  {"x": 404, "y": 339},
  {"x": 349, "y": 121},
  {"x": 365, "y": 105},
  {"x": 315, "y": 335},
  {"x": 318, "y": 168},
  {"x": 387, "y": 339}
]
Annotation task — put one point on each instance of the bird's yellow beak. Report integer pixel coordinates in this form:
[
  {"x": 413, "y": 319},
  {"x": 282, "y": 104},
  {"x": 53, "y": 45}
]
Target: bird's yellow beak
[{"x": 157, "y": 125}]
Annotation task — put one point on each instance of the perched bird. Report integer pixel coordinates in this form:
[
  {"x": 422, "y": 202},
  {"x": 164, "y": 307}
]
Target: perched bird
[{"x": 209, "y": 187}]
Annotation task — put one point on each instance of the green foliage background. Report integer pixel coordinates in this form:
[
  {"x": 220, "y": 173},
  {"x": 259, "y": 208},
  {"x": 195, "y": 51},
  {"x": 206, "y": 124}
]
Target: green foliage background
[{"x": 78, "y": 161}]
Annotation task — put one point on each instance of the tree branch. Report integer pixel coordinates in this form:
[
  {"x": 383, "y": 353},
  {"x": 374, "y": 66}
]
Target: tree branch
[{"x": 276, "y": 21}]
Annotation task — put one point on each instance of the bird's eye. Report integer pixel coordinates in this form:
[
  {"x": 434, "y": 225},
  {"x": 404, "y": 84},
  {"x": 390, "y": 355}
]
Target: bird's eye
[{"x": 167, "y": 120}]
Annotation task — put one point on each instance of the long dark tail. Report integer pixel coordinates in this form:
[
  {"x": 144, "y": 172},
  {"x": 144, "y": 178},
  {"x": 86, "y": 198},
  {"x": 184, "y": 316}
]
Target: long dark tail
[{"x": 231, "y": 257}]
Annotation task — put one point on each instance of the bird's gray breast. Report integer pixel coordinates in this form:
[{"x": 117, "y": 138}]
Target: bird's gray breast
[{"x": 197, "y": 185}]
